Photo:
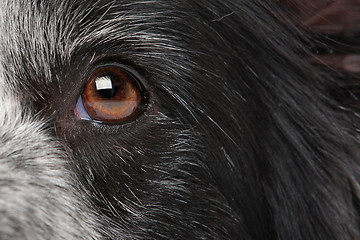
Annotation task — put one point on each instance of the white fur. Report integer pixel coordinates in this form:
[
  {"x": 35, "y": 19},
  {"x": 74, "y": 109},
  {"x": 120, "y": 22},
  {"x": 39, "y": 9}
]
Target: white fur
[{"x": 37, "y": 197}]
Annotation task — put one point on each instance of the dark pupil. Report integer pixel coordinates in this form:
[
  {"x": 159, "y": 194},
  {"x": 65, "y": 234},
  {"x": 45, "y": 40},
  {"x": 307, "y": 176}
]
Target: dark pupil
[{"x": 105, "y": 86}]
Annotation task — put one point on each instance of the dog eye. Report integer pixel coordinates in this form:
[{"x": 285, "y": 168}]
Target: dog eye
[{"x": 111, "y": 95}]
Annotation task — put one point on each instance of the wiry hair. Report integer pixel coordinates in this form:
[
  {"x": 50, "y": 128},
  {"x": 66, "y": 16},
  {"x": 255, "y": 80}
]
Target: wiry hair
[
  {"x": 37, "y": 198},
  {"x": 242, "y": 137}
]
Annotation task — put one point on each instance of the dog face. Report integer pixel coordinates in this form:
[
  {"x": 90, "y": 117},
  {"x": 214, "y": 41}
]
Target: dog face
[{"x": 166, "y": 120}]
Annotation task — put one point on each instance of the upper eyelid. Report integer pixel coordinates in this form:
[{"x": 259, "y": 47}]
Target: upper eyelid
[{"x": 133, "y": 69}]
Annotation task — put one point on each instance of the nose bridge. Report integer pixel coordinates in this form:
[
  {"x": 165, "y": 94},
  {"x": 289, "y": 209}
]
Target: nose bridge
[
  {"x": 37, "y": 195},
  {"x": 23, "y": 167}
]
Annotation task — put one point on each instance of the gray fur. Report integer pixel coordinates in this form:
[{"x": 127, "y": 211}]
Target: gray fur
[{"x": 38, "y": 199}]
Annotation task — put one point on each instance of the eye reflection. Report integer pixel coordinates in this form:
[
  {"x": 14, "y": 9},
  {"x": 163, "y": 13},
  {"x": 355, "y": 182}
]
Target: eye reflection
[{"x": 105, "y": 87}]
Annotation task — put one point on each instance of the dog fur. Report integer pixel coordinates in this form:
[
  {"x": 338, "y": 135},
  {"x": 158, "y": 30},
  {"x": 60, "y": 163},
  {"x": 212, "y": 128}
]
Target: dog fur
[{"x": 242, "y": 138}]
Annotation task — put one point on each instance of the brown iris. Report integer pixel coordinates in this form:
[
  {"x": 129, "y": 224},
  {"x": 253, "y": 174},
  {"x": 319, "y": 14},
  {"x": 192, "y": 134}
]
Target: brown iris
[{"x": 112, "y": 95}]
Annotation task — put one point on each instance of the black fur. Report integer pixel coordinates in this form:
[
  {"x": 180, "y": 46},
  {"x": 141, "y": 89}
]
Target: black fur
[{"x": 242, "y": 137}]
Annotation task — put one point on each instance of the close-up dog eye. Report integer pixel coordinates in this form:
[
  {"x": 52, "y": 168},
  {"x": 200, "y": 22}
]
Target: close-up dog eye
[
  {"x": 187, "y": 119},
  {"x": 111, "y": 95}
]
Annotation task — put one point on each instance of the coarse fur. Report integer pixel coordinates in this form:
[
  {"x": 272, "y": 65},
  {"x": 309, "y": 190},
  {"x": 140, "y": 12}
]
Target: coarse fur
[{"x": 242, "y": 137}]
